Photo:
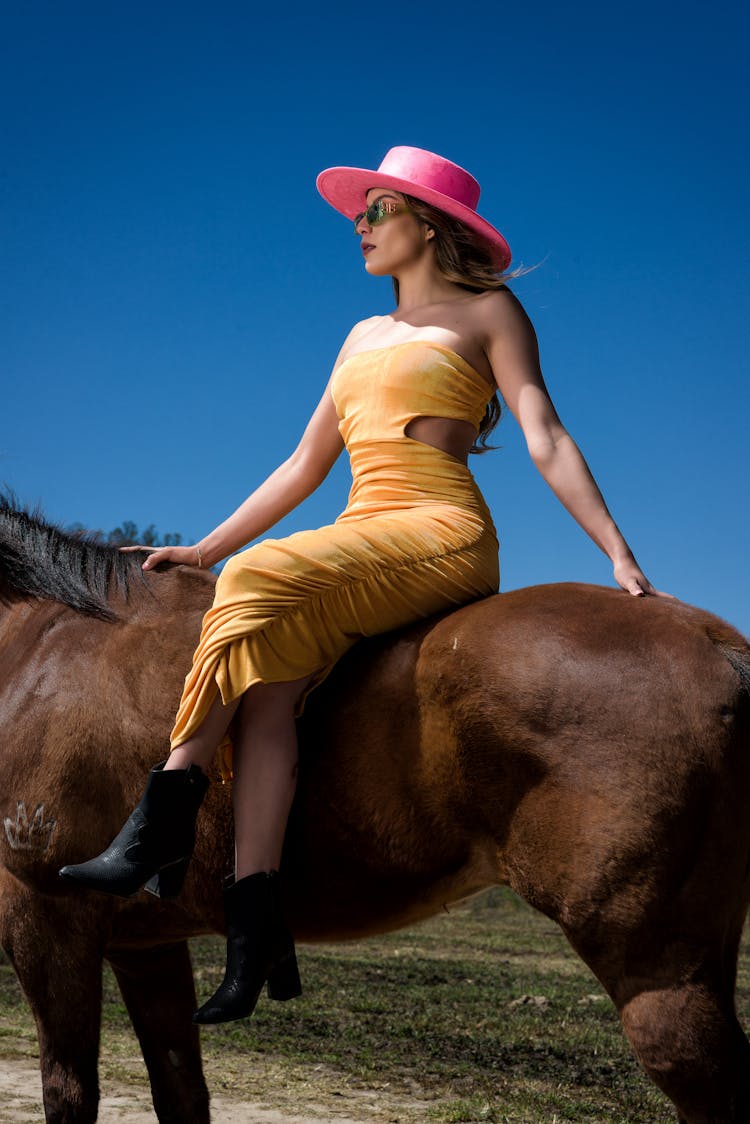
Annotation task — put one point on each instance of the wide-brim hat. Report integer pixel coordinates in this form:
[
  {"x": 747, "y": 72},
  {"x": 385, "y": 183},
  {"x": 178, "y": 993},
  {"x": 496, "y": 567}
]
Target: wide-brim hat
[{"x": 426, "y": 176}]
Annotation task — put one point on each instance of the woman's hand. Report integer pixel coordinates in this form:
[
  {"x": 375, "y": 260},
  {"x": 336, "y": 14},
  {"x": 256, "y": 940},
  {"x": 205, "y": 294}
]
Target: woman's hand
[
  {"x": 187, "y": 555},
  {"x": 630, "y": 577}
]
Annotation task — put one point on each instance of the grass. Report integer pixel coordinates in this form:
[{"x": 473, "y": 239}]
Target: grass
[{"x": 483, "y": 1014}]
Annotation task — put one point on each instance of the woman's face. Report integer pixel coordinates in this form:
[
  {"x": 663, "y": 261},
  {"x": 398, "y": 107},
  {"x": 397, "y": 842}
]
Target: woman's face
[{"x": 398, "y": 241}]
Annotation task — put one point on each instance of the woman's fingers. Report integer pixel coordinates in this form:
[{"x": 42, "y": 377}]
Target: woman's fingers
[
  {"x": 637, "y": 584},
  {"x": 187, "y": 555},
  {"x": 167, "y": 554},
  {"x": 152, "y": 551},
  {"x": 644, "y": 588}
]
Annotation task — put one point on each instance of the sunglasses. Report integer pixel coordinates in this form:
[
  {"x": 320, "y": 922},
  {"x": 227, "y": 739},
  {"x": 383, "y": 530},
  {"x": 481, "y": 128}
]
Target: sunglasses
[{"x": 379, "y": 211}]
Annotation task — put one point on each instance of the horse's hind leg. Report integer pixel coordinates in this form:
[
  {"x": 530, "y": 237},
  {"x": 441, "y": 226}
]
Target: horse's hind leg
[
  {"x": 157, "y": 986},
  {"x": 677, "y": 1009},
  {"x": 694, "y": 1049},
  {"x": 58, "y": 960}
]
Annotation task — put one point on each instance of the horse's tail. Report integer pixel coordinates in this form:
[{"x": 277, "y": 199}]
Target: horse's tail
[
  {"x": 740, "y": 661},
  {"x": 40, "y": 561},
  {"x": 737, "y": 653},
  {"x": 733, "y": 646}
]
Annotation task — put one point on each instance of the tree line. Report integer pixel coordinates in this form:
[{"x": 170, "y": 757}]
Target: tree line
[{"x": 128, "y": 534}]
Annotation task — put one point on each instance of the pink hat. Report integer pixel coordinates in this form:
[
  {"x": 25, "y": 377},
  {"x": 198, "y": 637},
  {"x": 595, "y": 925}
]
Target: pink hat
[{"x": 426, "y": 176}]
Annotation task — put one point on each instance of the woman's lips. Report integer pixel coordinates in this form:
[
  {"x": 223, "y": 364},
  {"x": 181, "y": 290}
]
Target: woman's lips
[{"x": 366, "y": 247}]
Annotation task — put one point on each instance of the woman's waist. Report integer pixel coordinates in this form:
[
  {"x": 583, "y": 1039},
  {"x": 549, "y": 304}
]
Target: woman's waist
[
  {"x": 406, "y": 474},
  {"x": 411, "y": 464}
]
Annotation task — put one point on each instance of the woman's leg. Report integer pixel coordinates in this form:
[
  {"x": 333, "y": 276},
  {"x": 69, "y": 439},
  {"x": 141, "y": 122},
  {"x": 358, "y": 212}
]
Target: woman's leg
[
  {"x": 265, "y": 773},
  {"x": 200, "y": 749},
  {"x": 260, "y": 948}
]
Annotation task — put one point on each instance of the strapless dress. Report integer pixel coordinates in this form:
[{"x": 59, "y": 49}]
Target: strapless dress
[{"x": 416, "y": 537}]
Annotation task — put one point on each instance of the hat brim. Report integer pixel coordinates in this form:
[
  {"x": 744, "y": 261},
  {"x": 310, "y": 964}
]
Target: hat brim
[{"x": 346, "y": 190}]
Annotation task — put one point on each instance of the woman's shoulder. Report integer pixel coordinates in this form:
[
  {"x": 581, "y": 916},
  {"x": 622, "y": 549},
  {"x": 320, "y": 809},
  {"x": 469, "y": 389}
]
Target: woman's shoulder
[
  {"x": 360, "y": 329},
  {"x": 497, "y": 302},
  {"x": 499, "y": 311}
]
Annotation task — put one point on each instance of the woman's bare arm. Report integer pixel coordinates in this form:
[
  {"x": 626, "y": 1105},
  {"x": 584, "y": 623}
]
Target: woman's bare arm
[
  {"x": 282, "y": 491},
  {"x": 514, "y": 356},
  {"x": 291, "y": 483}
]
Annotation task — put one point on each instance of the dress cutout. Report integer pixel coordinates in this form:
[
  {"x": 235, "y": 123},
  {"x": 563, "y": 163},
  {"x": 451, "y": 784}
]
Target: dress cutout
[{"x": 415, "y": 538}]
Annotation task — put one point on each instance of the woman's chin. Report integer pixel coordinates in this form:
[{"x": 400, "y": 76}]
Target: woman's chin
[{"x": 374, "y": 269}]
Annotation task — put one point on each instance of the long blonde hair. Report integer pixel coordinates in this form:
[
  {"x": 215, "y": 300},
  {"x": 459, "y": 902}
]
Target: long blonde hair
[{"x": 465, "y": 259}]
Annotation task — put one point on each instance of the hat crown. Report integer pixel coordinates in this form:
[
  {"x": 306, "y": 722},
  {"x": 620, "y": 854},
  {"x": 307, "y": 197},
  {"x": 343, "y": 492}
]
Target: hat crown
[{"x": 427, "y": 169}]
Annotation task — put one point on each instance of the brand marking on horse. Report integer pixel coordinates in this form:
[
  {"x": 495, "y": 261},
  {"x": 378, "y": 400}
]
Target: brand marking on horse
[{"x": 29, "y": 833}]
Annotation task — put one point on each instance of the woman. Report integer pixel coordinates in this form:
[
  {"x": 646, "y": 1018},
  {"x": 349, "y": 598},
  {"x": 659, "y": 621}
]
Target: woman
[{"x": 410, "y": 394}]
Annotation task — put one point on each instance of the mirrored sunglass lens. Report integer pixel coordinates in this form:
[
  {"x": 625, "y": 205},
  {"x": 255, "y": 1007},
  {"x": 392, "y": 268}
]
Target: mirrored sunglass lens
[{"x": 374, "y": 214}]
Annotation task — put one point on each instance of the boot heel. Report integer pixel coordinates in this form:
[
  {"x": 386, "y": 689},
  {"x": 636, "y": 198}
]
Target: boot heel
[
  {"x": 284, "y": 982},
  {"x": 169, "y": 881}
]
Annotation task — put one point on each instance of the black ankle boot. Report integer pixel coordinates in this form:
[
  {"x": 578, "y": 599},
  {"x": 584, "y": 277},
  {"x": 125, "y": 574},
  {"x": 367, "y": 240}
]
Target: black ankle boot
[
  {"x": 155, "y": 846},
  {"x": 260, "y": 950}
]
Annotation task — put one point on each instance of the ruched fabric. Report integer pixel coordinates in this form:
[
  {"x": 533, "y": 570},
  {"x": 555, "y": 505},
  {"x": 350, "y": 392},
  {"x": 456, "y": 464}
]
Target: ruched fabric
[{"x": 415, "y": 538}]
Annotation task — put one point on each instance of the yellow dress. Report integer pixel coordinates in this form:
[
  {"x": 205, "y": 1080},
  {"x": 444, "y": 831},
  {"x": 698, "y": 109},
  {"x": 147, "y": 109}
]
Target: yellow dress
[{"x": 416, "y": 537}]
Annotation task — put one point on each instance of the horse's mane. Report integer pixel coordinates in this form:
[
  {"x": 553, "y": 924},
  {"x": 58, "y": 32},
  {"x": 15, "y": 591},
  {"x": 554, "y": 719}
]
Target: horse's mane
[{"x": 39, "y": 560}]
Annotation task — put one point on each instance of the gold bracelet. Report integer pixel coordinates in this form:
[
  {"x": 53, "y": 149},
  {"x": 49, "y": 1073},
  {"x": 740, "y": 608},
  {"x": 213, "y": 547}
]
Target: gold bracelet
[{"x": 200, "y": 557}]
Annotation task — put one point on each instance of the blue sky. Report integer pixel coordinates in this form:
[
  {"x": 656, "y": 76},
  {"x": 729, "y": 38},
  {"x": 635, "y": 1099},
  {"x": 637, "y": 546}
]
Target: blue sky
[{"x": 174, "y": 290}]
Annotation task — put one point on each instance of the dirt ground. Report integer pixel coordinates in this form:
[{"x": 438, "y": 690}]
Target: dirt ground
[{"x": 21, "y": 1103}]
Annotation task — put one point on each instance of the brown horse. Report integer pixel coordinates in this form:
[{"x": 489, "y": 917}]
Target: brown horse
[{"x": 589, "y": 749}]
